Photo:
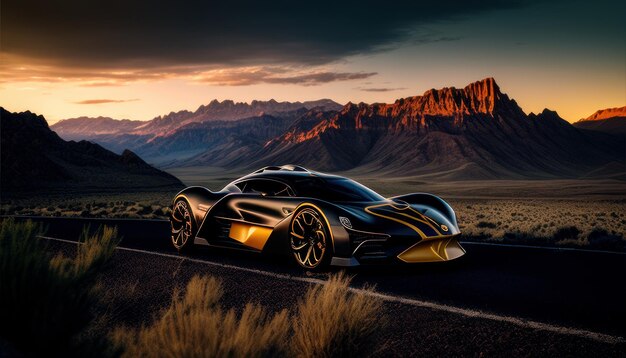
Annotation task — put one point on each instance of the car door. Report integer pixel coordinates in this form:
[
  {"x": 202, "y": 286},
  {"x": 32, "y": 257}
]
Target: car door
[
  {"x": 248, "y": 218},
  {"x": 263, "y": 201}
]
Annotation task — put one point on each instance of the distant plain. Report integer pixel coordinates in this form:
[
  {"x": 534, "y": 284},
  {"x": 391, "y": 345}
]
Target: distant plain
[{"x": 564, "y": 212}]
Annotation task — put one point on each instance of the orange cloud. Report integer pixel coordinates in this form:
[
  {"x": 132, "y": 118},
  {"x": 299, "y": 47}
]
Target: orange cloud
[
  {"x": 102, "y": 101},
  {"x": 246, "y": 76},
  {"x": 15, "y": 69}
]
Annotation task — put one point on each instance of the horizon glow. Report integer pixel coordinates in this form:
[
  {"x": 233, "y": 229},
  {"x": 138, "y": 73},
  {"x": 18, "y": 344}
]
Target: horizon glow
[{"x": 574, "y": 63}]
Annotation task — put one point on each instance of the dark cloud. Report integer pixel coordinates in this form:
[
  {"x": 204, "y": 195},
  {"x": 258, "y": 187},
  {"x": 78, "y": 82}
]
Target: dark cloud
[
  {"x": 103, "y": 101},
  {"x": 430, "y": 38},
  {"x": 153, "y": 34}
]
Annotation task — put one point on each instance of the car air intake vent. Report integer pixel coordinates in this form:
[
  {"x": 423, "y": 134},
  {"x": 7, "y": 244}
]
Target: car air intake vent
[
  {"x": 357, "y": 238},
  {"x": 371, "y": 250}
]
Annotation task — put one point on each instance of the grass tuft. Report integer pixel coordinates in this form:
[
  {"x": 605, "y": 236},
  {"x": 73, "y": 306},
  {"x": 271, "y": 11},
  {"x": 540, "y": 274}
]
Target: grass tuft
[
  {"x": 44, "y": 298},
  {"x": 329, "y": 321},
  {"x": 333, "y": 322},
  {"x": 196, "y": 326}
]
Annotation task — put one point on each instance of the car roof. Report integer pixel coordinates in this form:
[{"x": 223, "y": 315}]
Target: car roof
[{"x": 286, "y": 173}]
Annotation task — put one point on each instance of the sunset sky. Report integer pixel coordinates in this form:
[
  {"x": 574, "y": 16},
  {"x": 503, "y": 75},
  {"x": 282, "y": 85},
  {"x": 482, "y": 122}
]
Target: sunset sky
[{"x": 140, "y": 59}]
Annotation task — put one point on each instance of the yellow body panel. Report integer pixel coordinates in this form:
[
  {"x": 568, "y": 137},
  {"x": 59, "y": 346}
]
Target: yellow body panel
[
  {"x": 433, "y": 250},
  {"x": 250, "y": 235}
]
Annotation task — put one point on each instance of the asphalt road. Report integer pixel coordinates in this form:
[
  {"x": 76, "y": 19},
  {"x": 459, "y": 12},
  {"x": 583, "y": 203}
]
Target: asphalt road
[{"x": 569, "y": 288}]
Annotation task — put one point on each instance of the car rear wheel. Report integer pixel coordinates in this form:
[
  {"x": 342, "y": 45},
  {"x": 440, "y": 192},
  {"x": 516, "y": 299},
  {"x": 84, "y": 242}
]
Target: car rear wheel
[
  {"x": 181, "y": 222},
  {"x": 309, "y": 238}
]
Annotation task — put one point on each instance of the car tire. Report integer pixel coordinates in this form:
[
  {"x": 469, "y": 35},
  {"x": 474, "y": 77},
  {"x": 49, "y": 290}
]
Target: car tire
[
  {"x": 182, "y": 223},
  {"x": 310, "y": 239}
]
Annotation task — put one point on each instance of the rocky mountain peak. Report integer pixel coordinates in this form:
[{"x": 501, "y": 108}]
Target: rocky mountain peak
[
  {"x": 607, "y": 113},
  {"x": 129, "y": 157},
  {"x": 481, "y": 97},
  {"x": 27, "y": 120}
]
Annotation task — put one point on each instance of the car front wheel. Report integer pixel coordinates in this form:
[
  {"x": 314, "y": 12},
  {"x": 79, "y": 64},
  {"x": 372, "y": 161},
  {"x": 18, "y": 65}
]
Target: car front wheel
[{"x": 309, "y": 238}]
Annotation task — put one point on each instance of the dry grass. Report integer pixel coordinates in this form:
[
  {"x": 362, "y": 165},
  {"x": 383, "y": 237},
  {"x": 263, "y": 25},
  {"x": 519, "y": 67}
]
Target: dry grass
[
  {"x": 49, "y": 299},
  {"x": 538, "y": 212},
  {"x": 332, "y": 322},
  {"x": 123, "y": 205},
  {"x": 196, "y": 326},
  {"x": 600, "y": 224},
  {"x": 57, "y": 299},
  {"x": 94, "y": 252},
  {"x": 329, "y": 321}
]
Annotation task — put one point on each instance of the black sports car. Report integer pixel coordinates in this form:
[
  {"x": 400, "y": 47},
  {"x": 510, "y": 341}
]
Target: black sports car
[{"x": 318, "y": 218}]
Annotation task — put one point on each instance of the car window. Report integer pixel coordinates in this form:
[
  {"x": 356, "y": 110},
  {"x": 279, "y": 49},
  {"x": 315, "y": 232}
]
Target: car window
[
  {"x": 335, "y": 189},
  {"x": 265, "y": 187}
]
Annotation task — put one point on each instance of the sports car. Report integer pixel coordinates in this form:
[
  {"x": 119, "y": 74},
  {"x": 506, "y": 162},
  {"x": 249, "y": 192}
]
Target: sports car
[{"x": 318, "y": 219}]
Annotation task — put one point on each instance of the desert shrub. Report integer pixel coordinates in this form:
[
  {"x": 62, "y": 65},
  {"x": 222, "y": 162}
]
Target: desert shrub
[
  {"x": 601, "y": 239},
  {"x": 333, "y": 322},
  {"x": 524, "y": 238},
  {"x": 486, "y": 224},
  {"x": 144, "y": 210},
  {"x": 196, "y": 326},
  {"x": 567, "y": 233},
  {"x": 48, "y": 300}
]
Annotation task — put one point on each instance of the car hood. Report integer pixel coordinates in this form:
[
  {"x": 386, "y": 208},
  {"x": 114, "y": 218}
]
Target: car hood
[{"x": 396, "y": 217}]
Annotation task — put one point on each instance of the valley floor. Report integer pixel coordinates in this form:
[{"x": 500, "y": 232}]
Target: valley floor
[{"x": 564, "y": 213}]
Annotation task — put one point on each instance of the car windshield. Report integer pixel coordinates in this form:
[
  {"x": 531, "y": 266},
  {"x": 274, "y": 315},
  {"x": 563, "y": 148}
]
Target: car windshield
[{"x": 335, "y": 189}]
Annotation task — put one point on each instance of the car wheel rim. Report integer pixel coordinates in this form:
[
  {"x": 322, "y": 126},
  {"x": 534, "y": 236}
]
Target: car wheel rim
[
  {"x": 181, "y": 224},
  {"x": 308, "y": 238}
]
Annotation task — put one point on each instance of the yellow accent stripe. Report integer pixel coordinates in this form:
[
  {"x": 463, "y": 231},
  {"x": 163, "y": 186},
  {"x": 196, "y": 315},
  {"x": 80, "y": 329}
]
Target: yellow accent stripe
[
  {"x": 424, "y": 220},
  {"x": 420, "y": 232},
  {"x": 434, "y": 227},
  {"x": 423, "y": 217}
]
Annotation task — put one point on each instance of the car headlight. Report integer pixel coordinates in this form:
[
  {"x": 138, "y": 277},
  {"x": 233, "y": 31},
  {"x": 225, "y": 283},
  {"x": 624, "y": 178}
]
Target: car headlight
[{"x": 345, "y": 222}]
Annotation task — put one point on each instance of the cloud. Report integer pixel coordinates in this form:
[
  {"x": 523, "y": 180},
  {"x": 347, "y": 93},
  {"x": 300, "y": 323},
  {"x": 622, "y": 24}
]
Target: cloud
[
  {"x": 380, "y": 89},
  {"x": 276, "y": 75},
  {"x": 21, "y": 69},
  {"x": 153, "y": 35},
  {"x": 103, "y": 101},
  {"x": 17, "y": 70}
]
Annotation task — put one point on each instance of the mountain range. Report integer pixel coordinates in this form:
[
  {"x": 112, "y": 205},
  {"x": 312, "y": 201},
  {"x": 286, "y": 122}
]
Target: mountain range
[
  {"x": 610, "y": 120},
  {"x": 34, "y": 158},
  {"x": 88, "y": 128},
  {"x": 475, "y": 132}
]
